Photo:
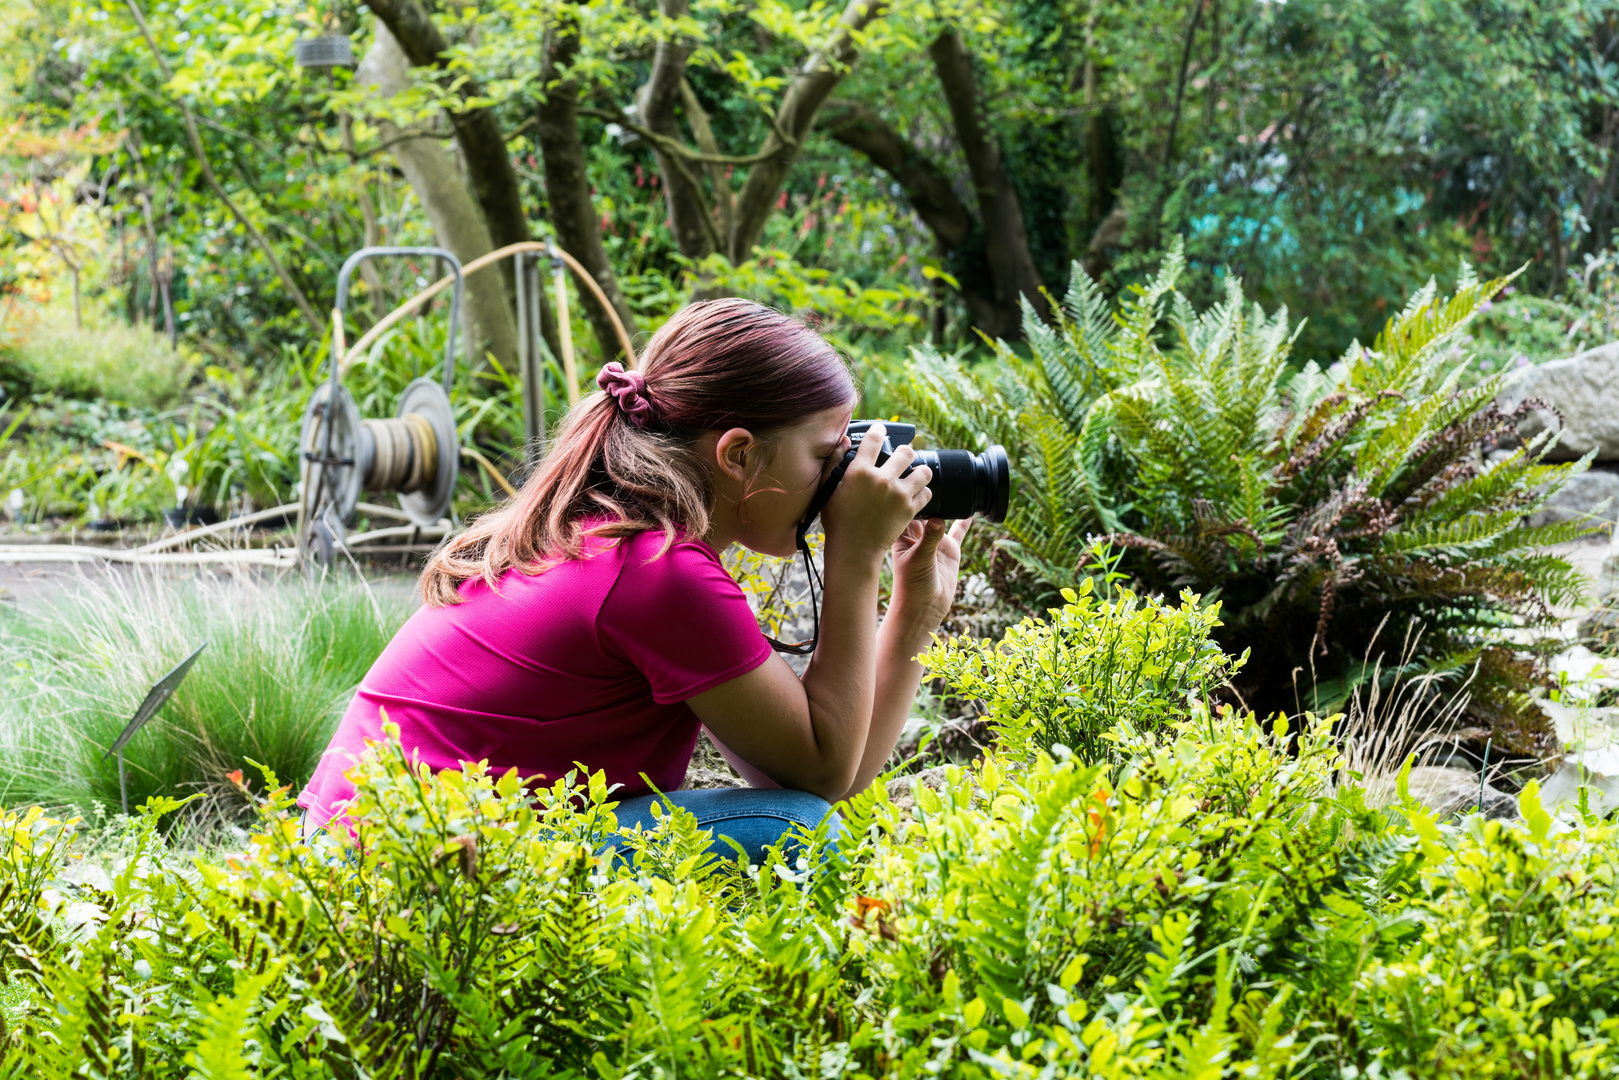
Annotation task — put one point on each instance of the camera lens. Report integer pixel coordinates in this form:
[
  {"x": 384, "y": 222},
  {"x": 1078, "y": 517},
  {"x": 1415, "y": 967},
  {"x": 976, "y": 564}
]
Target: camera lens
[{"x": 965, "y": 483}]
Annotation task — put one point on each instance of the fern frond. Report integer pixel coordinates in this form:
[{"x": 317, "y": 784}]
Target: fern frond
[
  {"x": 1472, "y": 535},
  {"x": 1135, "y": 346}
]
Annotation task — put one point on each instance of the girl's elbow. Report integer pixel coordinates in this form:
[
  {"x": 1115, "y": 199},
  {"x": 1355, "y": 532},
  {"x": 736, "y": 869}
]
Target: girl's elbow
[{"x": 833, "y": 782}]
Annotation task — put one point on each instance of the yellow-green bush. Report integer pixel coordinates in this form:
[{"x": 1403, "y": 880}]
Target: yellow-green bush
[{"x": 114, "y": 362}]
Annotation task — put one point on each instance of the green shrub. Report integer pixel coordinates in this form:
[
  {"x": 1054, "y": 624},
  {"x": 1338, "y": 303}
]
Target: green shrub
[
  {"x": 1317, "y": 505},
  {"x": 279, "y": 667},
  {"x": 466, "y": 931},
  {"x": 1215, "y": 902},
  {"x": 116, "y": 362},
  {"x": 1090, "y": 669},
  {"x": 1480, "y": 949}
]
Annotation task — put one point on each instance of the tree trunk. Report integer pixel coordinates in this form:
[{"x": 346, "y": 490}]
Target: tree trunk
[
  {"x": 456, "y": 224},
  {"x": 959, "y": 237},
  {"x": 688, "y": 210},
  {"x": 1006, "y": 239},
  {"x": 483, "y": 146},
  {"x": 815, "y": 80},
  {"x": 573, "y": 214},
  {"x": 483, "y": 149}
]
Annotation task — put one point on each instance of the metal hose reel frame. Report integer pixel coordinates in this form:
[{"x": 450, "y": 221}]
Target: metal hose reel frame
[
  {"x": 347, "y": 273},
  {"x": 334, "y": 471}
]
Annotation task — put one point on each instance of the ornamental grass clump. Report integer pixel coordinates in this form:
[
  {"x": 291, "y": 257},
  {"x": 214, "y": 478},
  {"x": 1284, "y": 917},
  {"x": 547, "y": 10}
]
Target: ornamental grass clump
[
  {"x": 1317, "y": 504},
  {"x": 280, "y": 663}
]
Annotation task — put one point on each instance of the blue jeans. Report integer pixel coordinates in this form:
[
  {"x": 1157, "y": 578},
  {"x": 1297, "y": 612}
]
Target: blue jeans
[{"x": 753, "y": 817}]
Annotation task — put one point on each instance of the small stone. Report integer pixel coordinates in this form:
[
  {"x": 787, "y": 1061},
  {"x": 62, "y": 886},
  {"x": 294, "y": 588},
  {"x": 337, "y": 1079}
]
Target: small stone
[
  {"x": 902, "y": 790},
  {"x": 709, "y": 769}
]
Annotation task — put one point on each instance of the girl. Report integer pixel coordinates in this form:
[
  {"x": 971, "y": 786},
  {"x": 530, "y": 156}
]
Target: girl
[{"x": 590, "y": 621}]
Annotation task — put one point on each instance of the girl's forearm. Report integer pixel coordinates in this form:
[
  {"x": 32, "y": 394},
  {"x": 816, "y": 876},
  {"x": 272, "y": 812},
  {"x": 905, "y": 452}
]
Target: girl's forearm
[
  {"x": 898, "y": 676},
  {"x": 841, "y": 680}
]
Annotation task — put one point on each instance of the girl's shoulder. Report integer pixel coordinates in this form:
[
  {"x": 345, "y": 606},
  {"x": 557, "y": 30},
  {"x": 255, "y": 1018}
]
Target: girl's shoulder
[
  {"x": 652, "y": 554},
  {"x": 655, "y": 544}
]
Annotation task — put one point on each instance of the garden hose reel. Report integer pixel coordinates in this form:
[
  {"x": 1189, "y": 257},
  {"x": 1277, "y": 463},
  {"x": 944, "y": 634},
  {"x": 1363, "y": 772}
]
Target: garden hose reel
[{"x": 414, "y": 454}]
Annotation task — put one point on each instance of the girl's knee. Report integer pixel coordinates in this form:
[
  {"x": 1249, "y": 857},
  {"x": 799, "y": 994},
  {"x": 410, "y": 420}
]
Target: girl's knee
[{"x": 803, "y": 807}]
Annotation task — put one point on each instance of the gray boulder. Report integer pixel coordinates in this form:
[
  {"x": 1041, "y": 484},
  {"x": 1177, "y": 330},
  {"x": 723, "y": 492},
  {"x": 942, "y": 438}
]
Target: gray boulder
[
  {"x": 1585, "y": 389},
  {"x": 1591, "y": 497}
]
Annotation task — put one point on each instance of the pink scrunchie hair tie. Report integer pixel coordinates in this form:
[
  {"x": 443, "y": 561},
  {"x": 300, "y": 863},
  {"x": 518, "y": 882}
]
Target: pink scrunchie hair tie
[{"x": 628, "y": 388}]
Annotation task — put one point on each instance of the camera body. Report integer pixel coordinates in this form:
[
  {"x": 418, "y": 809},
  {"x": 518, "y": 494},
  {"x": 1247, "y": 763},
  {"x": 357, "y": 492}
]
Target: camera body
[{"x": 963, "y": 484}]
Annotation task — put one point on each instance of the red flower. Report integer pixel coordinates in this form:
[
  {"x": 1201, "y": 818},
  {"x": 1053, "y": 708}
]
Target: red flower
[{"x": 235, "y": 777}]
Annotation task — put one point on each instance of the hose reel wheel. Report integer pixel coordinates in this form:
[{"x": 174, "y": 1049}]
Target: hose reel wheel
[
  {"x": 332, "y": 473},
  {"x": 425, "y": 413}
]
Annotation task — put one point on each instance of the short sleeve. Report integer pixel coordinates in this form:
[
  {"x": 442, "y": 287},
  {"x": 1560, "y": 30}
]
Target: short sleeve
[{"x": 680, "y": 619}]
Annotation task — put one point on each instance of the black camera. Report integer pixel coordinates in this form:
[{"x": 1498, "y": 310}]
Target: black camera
[{"x": 963, "y": 484}]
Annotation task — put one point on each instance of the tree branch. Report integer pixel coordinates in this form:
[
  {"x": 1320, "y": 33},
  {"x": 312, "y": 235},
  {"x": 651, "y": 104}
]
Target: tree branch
[
  {"x": 1180, "y": 81},
  {"x": 683, "y": 195},
  {"x": 697, "y": 117},
  {"x": 674, "y": 146},
  {"x": 316, "y": 322},
  {"x": 483, "y": 147},
  {"x": 568, "y": 187},
  {"x": 928, "y": 189}
]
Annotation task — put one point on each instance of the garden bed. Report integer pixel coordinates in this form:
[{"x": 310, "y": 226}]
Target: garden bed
[{"x": 1209, "y": 896}]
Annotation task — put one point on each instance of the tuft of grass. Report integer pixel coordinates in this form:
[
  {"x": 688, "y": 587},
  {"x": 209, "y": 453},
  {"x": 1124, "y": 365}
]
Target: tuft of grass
[
  {"x": 129, "y": 364},
  {"x": 282, "y": 661}
]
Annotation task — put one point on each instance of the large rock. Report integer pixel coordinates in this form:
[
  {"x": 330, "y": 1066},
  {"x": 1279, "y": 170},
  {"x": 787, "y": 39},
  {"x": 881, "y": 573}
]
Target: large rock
[
  {"x": 1585, "y": 389},
  {"x": 1591, "y": 498}
]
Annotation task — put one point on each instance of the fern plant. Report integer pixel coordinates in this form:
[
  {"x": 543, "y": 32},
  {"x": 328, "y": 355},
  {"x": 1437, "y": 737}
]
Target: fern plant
[{"x": 1321, "y": 506}]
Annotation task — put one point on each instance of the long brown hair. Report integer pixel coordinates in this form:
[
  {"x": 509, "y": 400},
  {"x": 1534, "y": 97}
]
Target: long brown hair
[{"x": 716, "y": 365}]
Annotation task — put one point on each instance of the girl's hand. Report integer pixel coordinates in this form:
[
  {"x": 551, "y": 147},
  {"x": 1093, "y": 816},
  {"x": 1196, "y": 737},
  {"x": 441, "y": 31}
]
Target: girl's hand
[
  {"x": 927, "y": 559},
  {"x": 874, "y": 504}
]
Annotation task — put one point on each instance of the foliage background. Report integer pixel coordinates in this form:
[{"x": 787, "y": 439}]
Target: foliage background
[{"x": 1329, "y": 154}]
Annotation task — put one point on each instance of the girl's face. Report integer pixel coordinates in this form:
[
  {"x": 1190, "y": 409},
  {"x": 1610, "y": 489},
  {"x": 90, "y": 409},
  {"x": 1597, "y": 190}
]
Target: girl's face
[{"x": 764, "y": 485}]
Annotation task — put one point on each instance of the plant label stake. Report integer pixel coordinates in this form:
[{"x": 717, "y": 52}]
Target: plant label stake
[{"x": 155, "y": 699}]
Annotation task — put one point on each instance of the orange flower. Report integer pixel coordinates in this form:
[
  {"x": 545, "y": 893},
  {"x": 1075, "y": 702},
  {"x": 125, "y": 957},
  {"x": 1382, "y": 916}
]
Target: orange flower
[
  {"x": 1098, "y": 820},
  {"x": 235, "y": 777}
]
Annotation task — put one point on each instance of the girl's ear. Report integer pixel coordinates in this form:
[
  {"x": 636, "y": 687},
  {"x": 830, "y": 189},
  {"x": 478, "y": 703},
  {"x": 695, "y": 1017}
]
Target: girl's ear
[{"x": 736, "y": 454}]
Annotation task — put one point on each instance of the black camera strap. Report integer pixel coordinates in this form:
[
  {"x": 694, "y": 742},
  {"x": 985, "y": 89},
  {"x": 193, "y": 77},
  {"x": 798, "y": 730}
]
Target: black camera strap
[
  {"x": 805, "y": 648},
  {"x": 816, "y": 586}
]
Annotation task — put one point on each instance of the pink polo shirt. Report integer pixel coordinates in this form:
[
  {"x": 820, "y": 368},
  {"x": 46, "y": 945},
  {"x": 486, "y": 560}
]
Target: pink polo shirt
[{"x": 590, "y": 661}]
